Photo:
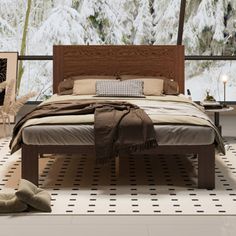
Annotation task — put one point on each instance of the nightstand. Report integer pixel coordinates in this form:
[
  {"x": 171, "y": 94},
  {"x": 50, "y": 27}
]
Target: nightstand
[{"x": 217, "y": 115}]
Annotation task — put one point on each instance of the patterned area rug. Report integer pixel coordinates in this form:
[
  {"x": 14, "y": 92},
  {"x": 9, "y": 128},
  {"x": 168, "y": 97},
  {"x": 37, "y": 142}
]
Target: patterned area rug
[{"x": 161, "y": 185}]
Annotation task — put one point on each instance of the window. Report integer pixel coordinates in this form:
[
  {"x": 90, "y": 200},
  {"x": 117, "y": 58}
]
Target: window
[
  {"x": 210, "y": 27},
  {"x": 33, "y": 26},
  {"x": 37, "y": 77},
  {"x": 86, "y": 22},
  {"x": 207, "y": 75}
]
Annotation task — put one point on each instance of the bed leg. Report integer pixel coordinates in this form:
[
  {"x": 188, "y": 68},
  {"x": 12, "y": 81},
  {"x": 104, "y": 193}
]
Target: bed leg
[
  {"x": 206, "y": 168},
  {"x": 29, "y": 164},
  {"x": 117, "y": 163}
]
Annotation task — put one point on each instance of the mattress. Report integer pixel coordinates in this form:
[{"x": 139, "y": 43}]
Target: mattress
[{"x": 84, "y": 135}]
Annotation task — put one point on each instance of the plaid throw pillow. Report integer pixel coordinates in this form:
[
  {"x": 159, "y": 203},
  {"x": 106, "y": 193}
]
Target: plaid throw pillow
[{"x": 127, "y": 88}]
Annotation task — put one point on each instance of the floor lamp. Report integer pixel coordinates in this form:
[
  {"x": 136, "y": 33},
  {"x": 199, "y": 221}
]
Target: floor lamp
[{"x": 224, "y": 80}]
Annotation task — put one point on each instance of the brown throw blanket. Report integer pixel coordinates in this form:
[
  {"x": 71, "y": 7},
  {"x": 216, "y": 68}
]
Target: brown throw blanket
[{"x": 117, "y": 125}]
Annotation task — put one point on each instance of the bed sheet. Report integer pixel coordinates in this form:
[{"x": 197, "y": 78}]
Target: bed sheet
[{"x": 84, "y": 135}]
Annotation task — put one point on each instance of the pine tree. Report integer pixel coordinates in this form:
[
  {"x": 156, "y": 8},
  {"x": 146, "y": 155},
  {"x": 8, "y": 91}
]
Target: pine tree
[
  {"x": 207, "y": 26},
  {"x": 217, "y": 42},
  {"x": 129, "y": 9},
  {"x": 88, "y": 22},
  {"x": 166, "y": 19},
  {"x": 63, "y": 26},
  {"x": 106, "y": 21},
  {"x": 10, "y": 17},
  {"x": 143, "y": 26}
]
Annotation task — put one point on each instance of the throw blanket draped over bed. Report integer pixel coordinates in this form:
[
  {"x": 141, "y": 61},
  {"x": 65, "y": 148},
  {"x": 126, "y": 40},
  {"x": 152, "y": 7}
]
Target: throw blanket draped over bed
[{"x": 117, "y": 125}]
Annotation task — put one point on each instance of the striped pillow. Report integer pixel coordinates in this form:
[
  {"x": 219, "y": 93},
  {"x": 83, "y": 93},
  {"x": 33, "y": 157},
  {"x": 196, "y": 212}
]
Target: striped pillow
[{"x": 127, "y": 88}]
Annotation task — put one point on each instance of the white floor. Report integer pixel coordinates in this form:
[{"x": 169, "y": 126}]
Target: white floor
[
  {"x": 118, "y": 225},
  {"x": 126, "y": 225}
]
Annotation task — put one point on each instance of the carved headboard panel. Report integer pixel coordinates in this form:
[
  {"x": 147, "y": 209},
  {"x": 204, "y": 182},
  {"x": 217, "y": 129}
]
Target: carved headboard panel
[{"x": 72, "y": 60}]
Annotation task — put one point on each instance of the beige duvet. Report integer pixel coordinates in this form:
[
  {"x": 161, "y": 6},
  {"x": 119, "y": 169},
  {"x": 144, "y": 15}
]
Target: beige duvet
[{"x": 161, "y": 109}]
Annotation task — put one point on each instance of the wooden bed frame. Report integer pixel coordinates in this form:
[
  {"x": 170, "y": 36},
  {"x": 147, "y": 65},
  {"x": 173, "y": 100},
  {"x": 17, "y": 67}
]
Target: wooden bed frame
[{"x": 165, "y": 61}]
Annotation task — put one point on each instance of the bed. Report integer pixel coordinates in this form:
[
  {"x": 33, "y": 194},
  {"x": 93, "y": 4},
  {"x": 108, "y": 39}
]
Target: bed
[{"x": 165, "y": 61}]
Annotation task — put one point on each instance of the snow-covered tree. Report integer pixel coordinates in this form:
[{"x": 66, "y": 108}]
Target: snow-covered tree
[
  {"x": 106, "y": 20},
  {"x": 39, "y": 11},
  {"x": 206, "y": 26},
  {"x": 166, "y": 20},
  {"x": 143, "y": 25},
  {"x": 210, "y": 29},
  {"x": 88, "y": 16},
  {"x": 61, "y": 27},
  {"x": 127, "y": 18},
  {"x": 11, "y": 16}
]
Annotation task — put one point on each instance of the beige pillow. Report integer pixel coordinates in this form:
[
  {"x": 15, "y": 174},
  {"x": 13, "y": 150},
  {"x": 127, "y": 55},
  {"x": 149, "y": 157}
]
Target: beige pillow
[
  {"x": 127, "y": 77},
  {"x": 97, "y": 77},
  {"x": 153, "y": 86},
  {"x": 85, "y": 86},
  {"x": 33, "y": 196},
  {"x": 9, "y": 203},
  {"x": 66, "y": 86}
]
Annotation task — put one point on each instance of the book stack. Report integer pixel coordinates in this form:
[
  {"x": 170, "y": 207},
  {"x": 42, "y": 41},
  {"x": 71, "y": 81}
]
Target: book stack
[{"x": 211, "y": 105}]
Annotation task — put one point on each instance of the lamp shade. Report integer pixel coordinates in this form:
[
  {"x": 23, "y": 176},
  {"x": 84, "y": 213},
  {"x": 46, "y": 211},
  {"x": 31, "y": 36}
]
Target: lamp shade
[{"x": 224, "y": 78}]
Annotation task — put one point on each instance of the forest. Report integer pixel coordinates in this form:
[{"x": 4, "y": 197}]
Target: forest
[{"x": 32, "y": 27}]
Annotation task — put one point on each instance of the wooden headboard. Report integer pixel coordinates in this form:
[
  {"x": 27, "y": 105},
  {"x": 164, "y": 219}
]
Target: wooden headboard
[{"x": 72, "y": 60}]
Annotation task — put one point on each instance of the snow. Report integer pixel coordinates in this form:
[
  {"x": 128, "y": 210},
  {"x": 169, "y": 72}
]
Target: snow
[
  {"x": 63, "y": 26},
  {"x": 210, "y": 28},
  {"x": 210, "y": 78},
  {"x": 143, "y": 24},
  {"x": 166, "y": 21}
]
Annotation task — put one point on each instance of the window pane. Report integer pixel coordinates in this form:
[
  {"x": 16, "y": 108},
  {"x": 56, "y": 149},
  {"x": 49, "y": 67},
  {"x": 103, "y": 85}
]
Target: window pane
[
  {"x": 37, "y": 77},
  {"x": 210, "y": 27},
  {"x": 207, "y": 75},
  {"x": 86, "y": 22}
]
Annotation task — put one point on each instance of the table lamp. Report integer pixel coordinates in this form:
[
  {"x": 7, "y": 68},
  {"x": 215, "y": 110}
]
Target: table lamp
[{"x": 224, "y": 79}]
